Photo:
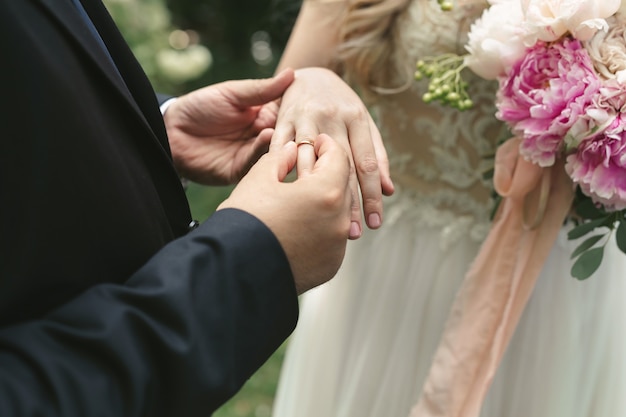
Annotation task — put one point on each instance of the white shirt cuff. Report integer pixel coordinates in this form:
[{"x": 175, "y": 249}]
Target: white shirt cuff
[{"x": 166, "y": 104}]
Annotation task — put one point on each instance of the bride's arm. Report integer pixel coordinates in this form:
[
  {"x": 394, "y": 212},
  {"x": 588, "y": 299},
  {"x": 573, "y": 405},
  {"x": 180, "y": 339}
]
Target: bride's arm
[
  {"x": 321, "y": 102},
  {"x": 315, "y": 35}
]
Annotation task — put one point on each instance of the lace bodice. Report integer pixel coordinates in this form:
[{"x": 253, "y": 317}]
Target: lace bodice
[{"x": 438, "y": 155}]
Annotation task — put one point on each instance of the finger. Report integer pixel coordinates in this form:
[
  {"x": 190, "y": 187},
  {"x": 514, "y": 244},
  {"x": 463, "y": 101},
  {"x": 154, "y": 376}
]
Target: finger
[
  {"x": 282, "y": 160},
  {"x": 247, "y": 93},
  {"x": 266, "y": 117},
  {"x": 262, "y": 141},
  {"x": 259, "y": 147},
  {"x": 338, "y": 132},
  {"x": 383, "y": 161},
  {"x": 306, "y": 157},
  {"x": 283, "y": 133},
  {"x": 332, "y": 164},
  {"x": 306, "y": 130},
  {"x": 367, "y": 171},
  {"x": 305, "y": 136},
  {"x": 288, "y": 156},
  {"x": 356, "y": 228},
  {"x": 331, "y": 173}
]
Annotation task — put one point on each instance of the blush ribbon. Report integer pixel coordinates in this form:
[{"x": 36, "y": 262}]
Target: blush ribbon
[{"x": 497, "y": 286}]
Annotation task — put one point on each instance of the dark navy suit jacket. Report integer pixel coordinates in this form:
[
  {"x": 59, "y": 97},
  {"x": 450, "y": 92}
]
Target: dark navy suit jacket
[{"x": 108, "y": 306}]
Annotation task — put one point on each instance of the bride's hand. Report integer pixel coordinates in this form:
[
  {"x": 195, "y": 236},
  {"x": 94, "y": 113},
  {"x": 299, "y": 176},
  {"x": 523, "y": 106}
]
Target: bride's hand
[{"x": 319, "y": 101}]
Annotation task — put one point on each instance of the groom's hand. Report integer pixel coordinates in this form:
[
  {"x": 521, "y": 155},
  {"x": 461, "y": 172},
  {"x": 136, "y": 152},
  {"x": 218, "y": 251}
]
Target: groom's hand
[
  {"x": 311, "y": 215},
  {"x": 217, "y": 132}
]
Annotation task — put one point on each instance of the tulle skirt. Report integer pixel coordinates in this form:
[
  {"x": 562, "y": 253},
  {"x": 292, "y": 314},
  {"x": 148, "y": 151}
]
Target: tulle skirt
[{"x": 364, "y": 341}]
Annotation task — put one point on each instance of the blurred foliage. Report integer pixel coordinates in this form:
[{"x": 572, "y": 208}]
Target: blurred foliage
[
  {"x": 229, "y": 30},
  {"x": 191, "y": 43},
  {"x": 170, "y": 56}
]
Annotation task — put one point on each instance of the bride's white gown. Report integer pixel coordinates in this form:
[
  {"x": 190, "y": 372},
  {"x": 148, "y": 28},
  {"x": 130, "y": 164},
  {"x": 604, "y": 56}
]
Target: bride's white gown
[{"x": 364, "y": 341}]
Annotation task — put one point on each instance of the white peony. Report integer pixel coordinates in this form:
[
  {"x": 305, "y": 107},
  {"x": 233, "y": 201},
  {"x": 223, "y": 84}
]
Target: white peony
[
  {"x": 548, "y": 20},
  {"x": 496, "y": 39},
  {"x": 608, "y": 50}
]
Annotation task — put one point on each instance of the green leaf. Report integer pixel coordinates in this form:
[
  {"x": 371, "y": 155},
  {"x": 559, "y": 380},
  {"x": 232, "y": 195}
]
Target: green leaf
[
  {"x": 496, "y": 206},
  {"x": 620, "y": 235},
  {"x": 585, "y": 228},
  {"x": 587, "y": 210},
  {"x": 586, "y": 245},
  {"x": 488, "y": 174},
  {"x": 587, "y": 263}
]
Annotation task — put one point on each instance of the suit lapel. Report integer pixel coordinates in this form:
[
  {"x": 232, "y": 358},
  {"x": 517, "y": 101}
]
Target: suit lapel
[
  {"x": 139, "y": 84},
  {"x": 139, "y": 96}
]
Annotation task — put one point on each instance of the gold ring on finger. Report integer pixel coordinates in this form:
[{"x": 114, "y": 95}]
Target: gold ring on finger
[{"x": 306, "y": 142}]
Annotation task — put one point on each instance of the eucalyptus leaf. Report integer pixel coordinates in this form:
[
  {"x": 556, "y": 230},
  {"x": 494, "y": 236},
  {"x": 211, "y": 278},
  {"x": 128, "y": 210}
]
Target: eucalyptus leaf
[
  {"x": 585, "y": 228},
  {"x": 586, "y": 245},
  {"x": 587, "y": 263},
  {"x": 620, "y": 235}
]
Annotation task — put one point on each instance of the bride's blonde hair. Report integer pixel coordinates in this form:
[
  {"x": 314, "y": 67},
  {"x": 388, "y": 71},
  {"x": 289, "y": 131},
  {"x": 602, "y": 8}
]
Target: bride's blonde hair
[{"x": 369, "y": 53}]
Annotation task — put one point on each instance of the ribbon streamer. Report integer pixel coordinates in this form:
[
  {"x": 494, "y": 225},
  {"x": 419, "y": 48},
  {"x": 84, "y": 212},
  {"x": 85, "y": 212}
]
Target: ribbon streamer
[{"x": 497, "y": 286}]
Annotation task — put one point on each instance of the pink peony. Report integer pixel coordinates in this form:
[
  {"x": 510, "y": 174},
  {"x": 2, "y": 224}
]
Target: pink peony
[
  {"x": 600, "y": 114},
  {"x": 599, "y": 165},
  {"x": 544, "y": 94}
]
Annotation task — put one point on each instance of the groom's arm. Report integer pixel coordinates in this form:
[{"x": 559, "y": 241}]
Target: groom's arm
[{"x": 180, "y": 338}]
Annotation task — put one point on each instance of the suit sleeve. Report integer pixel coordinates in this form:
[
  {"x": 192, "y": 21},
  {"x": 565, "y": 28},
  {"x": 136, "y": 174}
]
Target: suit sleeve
[
  {"x": 162, "y": 98},
  {"x": 178, "y": 339}
]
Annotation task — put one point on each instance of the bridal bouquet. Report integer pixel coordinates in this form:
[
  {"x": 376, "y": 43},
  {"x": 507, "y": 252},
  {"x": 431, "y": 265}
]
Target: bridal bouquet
[{"x": 561, "y": 70}]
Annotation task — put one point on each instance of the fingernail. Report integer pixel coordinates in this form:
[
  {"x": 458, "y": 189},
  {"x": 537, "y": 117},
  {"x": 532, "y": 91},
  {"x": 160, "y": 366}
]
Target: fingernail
[
  {"x": 373, "y": 220},
  {"x": 355, "y": 230}
]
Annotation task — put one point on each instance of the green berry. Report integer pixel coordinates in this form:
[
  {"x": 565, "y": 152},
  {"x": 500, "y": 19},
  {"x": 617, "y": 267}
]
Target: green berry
[
  {"x": 446, "y": 6},
  {"x": 453, "y": 96}
]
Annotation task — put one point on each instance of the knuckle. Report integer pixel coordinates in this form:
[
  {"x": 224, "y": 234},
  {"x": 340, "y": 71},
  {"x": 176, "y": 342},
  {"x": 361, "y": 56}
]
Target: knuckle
[
  {"x": 367, "y": 165},
  {"x": 333, "y": 199},
  {"x": 372, "y": 206},
  {"x": 357, "y": 112},
  {"x": 354, "y": 113},
  {"x": 324, "y": 109},
  {"x": 372, "y": 202}
]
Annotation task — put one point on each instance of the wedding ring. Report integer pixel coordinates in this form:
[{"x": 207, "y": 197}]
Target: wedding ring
[{"x": 306, "y": 142}]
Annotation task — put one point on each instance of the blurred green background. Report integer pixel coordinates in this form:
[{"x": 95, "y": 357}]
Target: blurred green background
[{"x": 186, "y": 44}]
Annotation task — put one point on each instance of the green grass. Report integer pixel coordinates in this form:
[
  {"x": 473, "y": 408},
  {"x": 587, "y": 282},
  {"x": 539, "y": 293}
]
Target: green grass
[
  {"x": 257, "y": 396},
  {"x": 204, "y": 200}
]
